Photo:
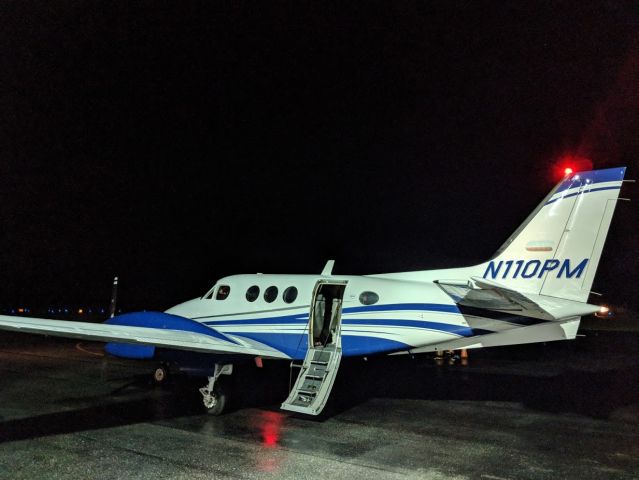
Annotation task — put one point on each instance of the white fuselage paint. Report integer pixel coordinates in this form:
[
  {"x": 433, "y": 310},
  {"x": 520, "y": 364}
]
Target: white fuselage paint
[{"x": 408, "y": 314}]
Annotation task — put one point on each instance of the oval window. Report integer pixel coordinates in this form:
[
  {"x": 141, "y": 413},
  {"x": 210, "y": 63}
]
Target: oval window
[
  {"x": 252, "y": 293},
  {"x": 368, "y": 298},
  {"x": 289, "y": 295},
  {"x": 223, "y": 292},
  {"x": 270, "y": 294}
]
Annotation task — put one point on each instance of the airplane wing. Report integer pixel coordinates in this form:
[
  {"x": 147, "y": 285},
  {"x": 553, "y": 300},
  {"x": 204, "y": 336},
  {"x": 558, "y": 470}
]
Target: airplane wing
[
  {"x": 489, "y": 295},
  {"x": 206, "y": 339}
]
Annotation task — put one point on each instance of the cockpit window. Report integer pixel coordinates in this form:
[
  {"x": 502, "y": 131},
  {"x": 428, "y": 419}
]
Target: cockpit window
[
  {"x": 270, "y": 294},
  {"x": 208, "y": 295},
  {"x": 252, "y": 293},
  {"x": 223, "y": 292}
]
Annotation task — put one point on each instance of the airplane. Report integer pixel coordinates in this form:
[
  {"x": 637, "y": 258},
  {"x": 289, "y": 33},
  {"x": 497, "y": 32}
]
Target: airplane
[{"x": 534, "y": 289}]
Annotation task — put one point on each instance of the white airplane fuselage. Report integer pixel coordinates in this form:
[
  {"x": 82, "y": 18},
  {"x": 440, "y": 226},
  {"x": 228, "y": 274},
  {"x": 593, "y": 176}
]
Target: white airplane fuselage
[{"x": 407, "y": 314}]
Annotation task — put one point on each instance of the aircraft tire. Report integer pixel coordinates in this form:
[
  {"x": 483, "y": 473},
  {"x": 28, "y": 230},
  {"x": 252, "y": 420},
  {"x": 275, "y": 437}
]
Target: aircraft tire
[
  {"x": 220, "y": 404},
  {"x": 160, "y": 374}
]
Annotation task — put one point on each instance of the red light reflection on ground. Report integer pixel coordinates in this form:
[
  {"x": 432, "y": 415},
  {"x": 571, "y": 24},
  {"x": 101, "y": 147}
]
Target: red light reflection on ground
[{"x": 270, "y": 428}]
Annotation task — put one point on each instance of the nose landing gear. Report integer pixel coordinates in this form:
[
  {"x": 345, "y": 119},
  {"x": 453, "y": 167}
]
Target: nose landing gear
[{"x": 213, "y": 396}]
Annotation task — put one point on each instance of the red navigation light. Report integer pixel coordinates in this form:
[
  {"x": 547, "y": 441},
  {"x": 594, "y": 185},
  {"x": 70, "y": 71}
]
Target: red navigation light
[{"x": 565, "y": 166}]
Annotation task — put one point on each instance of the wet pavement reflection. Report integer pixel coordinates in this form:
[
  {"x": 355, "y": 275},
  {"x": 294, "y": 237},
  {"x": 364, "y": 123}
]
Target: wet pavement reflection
[{"x": 563, "y": 410}]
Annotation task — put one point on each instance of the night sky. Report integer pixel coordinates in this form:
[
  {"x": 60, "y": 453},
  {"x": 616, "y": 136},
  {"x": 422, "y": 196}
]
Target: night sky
[{"x": 175, "y": 143}]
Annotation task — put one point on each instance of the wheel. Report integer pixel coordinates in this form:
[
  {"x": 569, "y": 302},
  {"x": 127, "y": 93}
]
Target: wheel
[
  {"x": 160, "y": 374},
  {"x": 216, "y": 402}
]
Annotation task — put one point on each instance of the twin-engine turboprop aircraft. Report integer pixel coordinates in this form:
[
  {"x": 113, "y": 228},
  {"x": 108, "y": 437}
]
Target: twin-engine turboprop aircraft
[{"x": 534, "y": 289}]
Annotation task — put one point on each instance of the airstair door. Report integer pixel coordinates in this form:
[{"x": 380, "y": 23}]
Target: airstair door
[{"x": 317, "y": 375}]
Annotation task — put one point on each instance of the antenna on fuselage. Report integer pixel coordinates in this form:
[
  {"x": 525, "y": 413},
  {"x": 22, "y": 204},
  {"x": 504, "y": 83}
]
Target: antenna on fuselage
[
  {"x": 328, "y": 269},
  {"x": 114, "y": 297}
]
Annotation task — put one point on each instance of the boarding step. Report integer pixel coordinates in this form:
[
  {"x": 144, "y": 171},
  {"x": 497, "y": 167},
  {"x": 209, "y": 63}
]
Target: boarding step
[{"x": 315, "y": 380}]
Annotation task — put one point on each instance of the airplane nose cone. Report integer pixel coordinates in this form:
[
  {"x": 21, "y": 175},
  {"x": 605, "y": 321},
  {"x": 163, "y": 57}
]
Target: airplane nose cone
[{"x": 190, "y": 309}]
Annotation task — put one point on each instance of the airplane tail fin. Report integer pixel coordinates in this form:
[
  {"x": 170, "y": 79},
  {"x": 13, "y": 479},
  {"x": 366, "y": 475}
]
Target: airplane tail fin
[{"x": 556, "y": 251}]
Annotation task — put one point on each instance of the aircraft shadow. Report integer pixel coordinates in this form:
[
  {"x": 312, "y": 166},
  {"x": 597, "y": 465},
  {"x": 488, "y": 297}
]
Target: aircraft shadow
[
  {"x": 106, "y": 414},
  {"x": 178, "y": 398}
]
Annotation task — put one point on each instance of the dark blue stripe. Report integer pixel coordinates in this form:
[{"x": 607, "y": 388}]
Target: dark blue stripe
[
  {"x": 165, "y": 321},
  {"x": 368, "y": 331},
  {"x": 353, "y": 345},
  {"x": 303, "y": 317},
  {"x": 579, "y": 193},
  {"x": 594, "y": 176},
  {"x": 127, "y": 350},
  {"x": 433, "y": 307},
  {"x": 295, "y": 345},
  {"x": 292, "y": 344},
  {"x": 442, "y": 327},
  {"x": 298, "y": 318}
]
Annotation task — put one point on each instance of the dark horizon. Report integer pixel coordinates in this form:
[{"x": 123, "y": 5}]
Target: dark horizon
[{"x": 175, "y": 144}]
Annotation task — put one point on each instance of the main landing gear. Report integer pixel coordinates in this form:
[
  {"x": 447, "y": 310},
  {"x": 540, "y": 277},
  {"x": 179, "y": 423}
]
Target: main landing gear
[
  {"x": 213, "y": 396},
  {"x": 160, "y": 374}
]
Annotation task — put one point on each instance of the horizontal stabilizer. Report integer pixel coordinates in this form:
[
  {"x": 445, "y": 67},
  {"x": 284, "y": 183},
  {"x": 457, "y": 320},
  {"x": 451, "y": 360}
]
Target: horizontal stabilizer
[
  {"x": 545, "y": 332},
  {"x": 489, "y": 295},
  {"x": 167, "y": 338}
]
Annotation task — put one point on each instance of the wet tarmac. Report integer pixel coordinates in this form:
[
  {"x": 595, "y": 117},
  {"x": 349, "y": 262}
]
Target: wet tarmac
[{"x": 561, "y": 410}]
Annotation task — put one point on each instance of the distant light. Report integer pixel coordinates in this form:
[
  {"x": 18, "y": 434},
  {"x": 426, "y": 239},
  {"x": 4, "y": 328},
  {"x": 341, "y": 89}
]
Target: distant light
[
  {"x": 80, "y": 311},
  {"x": 568, "y": 171},
  {"x": 603, "y": 309},
  {"x": 20, "y": 310}
]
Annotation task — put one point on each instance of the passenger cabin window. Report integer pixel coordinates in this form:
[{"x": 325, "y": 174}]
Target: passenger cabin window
[
  {"x": 368, "y": 298},
  {"x": 270, "y": 294},
  {"x": 223, "y": 292},
  {"x": 289, "y": 295},
  {"x": 252, "y": 293}
]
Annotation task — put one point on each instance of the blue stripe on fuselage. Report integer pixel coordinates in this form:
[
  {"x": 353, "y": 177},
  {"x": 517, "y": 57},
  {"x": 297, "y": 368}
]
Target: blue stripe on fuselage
[
  {"x": 432, "y": 307},
  {"x": 460, "y": 330},
  {"x": 285, "y": 319},
  {"x": 303, "y": 317},
  {"x": 294, "y": 343},
  {"x": 295, "y": 346}
]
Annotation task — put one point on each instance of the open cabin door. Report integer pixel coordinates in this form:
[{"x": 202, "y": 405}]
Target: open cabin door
[{"x": 316, "y": 378}]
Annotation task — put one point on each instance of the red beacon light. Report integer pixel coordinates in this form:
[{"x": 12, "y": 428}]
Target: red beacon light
[{"x": 567, "y": 171}]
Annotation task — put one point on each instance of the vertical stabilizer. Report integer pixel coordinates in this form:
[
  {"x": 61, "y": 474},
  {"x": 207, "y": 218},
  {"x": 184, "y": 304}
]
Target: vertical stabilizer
[{"x": 557, "y": 249}]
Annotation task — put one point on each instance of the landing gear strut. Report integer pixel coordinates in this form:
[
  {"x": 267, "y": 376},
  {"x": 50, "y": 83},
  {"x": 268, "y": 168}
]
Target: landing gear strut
[{"x": 214, "y": 397}]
